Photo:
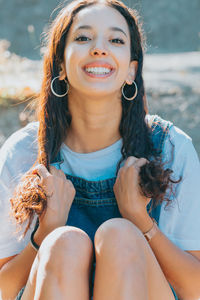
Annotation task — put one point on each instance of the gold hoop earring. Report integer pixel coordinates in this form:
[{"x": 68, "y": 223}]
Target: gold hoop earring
[
  {"x": 58, "y": 95},
  {"x": 135, "y": 94}
]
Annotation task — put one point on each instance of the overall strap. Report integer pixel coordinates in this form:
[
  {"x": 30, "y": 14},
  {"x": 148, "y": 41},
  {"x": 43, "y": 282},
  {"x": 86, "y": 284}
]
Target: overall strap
[{"x": 160, "y": 129}]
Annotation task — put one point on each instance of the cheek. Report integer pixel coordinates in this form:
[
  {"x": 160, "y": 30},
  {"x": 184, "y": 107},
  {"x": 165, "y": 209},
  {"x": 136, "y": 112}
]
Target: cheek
[
  {"x": 70, "y": 58},
  {"x": 73, "y": 56},
  {"x": 123, "y": 57},
  {"x": 123, "y": 70}
]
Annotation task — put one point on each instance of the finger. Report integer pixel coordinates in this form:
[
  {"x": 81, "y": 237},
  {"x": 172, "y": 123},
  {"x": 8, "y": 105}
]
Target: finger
[
  {"x": 62, "y": 174},
  {"x": 53, "y": 170},
  {"x": 140, "y": 162},
  {"x": 41, "y": 170},
  {"x": 70, "y": 183},
  {"x": 118, "y": 176},
  {"x": 119, "y": 172},
  {"x": 130, "y": 161},
  {"x": 30, "y": 172},
  {"x": 57, "y": 172}
]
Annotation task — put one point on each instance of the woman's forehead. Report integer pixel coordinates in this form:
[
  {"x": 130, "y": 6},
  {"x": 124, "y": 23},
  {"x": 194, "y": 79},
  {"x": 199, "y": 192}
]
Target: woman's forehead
[{"x": 99, "y": 15}]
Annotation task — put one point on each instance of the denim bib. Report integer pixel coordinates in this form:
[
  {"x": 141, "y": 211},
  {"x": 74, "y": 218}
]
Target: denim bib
[{"x": 95, "y": 201}]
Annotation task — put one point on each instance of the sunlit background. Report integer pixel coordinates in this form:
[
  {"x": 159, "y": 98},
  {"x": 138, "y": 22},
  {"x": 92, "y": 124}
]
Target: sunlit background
[{"x": 171, "y": 66}]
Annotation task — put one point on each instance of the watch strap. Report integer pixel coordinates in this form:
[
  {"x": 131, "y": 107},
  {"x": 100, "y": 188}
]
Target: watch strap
[{"x": 149, "y": 234}]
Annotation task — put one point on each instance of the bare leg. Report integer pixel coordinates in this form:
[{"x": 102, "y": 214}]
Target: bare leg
[
  {"x": 126, "y": 268},
  {"x": 61, "y": 269}
]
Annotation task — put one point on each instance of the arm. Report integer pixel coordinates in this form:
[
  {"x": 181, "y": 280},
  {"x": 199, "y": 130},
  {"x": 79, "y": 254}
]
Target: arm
[
  {"x": 181, "y": 268},
  {"x": 11, "y": 279},
  {"x": 179, "y": 224},
  {"x": 3, "y": 261},
  {"x": 62, "y": 194}
]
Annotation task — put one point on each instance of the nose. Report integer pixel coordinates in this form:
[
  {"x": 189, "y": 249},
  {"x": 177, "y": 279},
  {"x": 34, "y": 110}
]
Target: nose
[{"x": 99, "y": 50}]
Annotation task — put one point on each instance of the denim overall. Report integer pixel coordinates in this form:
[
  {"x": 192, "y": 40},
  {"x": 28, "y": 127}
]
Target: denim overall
[{"x": 95, "y": 201}]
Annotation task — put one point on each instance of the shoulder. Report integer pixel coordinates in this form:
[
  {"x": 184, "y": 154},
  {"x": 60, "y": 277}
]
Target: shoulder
[
  {"x": 180, "y": 145},
  {"x": 19, "y": 151},
  {"x": 174, "y": 133},
  {"x": 23, "y": 136},
  {"x": 180, "y": 155},
  {"x": 176, "y": 146},
  {"x": 155, "y": 121},
  {"x": 178, "y": 137},
  {"x": 169, "y": 135},
  {"x": 159, "y": 129}
]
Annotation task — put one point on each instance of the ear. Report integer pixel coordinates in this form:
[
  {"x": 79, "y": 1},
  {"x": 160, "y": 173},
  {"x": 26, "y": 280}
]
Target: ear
[
  {"x": 132, "y": 72},
  {"x": 62, "y": 73}
]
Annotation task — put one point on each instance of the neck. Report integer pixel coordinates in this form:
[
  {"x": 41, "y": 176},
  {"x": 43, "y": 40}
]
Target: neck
[{"x": 95, "y": 122}]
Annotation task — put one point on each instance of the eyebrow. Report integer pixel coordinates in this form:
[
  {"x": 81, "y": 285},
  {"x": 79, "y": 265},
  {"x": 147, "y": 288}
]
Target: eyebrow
[{"x": 111, "y": 28}]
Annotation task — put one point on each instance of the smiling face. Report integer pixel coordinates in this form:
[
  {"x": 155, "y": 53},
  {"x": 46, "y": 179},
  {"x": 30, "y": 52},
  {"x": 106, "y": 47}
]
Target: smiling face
[{"x": 97, "y": 53}]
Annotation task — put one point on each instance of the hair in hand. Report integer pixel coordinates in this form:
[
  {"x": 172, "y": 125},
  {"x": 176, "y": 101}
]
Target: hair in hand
[{"x": 54, "y": 117}]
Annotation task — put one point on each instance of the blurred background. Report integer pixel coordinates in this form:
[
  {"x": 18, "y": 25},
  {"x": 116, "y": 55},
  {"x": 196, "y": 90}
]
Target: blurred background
[{"x": 171, "y": 65}]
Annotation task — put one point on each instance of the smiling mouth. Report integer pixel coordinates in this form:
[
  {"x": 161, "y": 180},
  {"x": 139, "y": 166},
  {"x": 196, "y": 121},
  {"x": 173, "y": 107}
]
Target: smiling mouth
[{"x": 98, "y": 71}]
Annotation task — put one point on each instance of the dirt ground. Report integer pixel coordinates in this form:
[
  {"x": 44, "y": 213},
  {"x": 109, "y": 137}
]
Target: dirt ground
[{"x": 172, "y": 83}]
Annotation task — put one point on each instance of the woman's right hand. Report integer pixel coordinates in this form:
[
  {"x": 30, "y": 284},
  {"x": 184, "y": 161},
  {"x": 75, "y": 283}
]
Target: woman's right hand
[{"x": 60, "y": 195}]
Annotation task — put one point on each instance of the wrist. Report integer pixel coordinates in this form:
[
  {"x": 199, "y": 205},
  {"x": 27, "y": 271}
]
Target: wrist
[
  {"x": 40, "y": 234},
  {"x": 152, "y": 231},
  {"x": 142, "y": 220},
  {"x": 146, "y": 224},
  {"x": 33, "y": 242}
]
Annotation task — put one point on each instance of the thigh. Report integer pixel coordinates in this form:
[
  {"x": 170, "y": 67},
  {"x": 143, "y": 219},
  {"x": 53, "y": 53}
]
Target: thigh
[
  {"x": 112, "y": 241},
  {"x": 55, "y": 254},
  {"x": 28, "y": 291}
]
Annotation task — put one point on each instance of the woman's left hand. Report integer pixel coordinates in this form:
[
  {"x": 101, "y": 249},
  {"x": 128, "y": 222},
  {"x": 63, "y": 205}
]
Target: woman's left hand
[{"x": 131, "y": 202}]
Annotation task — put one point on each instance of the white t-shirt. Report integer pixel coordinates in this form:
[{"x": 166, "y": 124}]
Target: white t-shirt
[{"x": 180, "y": 221}]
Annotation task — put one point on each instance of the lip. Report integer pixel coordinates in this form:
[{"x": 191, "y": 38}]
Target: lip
[{"x": 99, "y": 64}]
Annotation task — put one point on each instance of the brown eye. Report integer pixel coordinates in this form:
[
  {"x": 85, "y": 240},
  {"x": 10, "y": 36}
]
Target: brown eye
[
  {"x": 82, "y": 38},
  {"x": 118, "y": 41}
]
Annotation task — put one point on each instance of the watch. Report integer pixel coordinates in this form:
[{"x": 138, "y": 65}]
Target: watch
[{"x": 149, "y": 234}]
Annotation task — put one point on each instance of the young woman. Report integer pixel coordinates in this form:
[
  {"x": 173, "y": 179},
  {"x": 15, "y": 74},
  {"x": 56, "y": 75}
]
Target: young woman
[{"x": 99, "y": 172}]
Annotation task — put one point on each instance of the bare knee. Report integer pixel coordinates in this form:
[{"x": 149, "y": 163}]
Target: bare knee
[
  {"x": 66, "y": 246},
  {"x": 121, "y": 241}
]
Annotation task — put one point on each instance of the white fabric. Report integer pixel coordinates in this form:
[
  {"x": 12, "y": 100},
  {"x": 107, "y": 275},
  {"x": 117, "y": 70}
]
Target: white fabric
[
  {"x": 180, "y": 221},
  {"x": 17, "y": 155}
]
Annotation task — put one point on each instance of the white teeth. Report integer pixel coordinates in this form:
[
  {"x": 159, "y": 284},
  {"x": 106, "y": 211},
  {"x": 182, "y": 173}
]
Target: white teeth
[{"x": 98, "y": 70}]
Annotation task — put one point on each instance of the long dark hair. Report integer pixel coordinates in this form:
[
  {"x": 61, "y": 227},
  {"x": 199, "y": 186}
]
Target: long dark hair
[{"x": 54, "y": 116}]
